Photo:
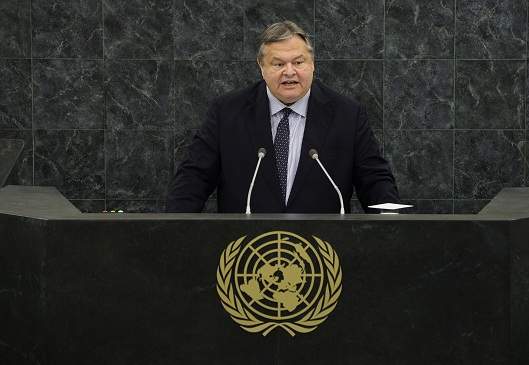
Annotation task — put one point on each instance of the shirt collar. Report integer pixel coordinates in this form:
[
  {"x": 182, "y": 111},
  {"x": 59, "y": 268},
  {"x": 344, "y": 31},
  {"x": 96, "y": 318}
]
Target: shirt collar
[{"x": 299, "y": 107}]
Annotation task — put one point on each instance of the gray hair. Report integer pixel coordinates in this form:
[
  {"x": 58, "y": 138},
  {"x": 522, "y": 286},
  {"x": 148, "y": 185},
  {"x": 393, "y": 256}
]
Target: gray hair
[{"x": 281, "y": 31}]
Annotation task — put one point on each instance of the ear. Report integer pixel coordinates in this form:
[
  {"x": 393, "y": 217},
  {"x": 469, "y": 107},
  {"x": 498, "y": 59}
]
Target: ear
[{"x": 260, "y": 67}]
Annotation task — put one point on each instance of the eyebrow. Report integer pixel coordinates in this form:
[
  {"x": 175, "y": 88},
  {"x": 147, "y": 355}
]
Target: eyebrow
[{"x": 282, "y": 60}]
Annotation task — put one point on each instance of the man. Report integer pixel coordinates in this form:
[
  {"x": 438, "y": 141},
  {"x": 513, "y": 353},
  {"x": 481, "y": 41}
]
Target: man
[{"x": 287, "y": 114}]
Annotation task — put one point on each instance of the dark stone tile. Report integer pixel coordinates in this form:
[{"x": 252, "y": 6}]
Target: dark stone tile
[
  {"x": 138, "y": 29},
  {"x": 15, "y": 28},
  {"x": 197, "y": 83},
  {"x": 349, "y": 29},
  {"x": 68, "y": 94},
  {"x": 139, "y": 94},
  {"x": 356, "y": 207},
  {"x": 210, "y": 206},
  {"x": 491, "y": 29},
  {"x": 467, "y": 206},
  {"x": 420, "y": 29},
  {"x": 361, "y": 80},
  {"x": 421, "y": 162},
  {"x": 137, "y": 206},
  {"x": 72, "y": 161},
  {"x": 182, "y": 140},
  {"x": 490, "y": 94},
  {"x": 527, "y": 98},
  {"x": 487, "y": 161},
  {"x": 22, "y": 173},
  {"x": 379, "y": 136},
  {"x": 419, "y": 94},
  {"x": 210, "y": 30},
  {"x": 89, "y": 206},
  {"x": 15, "y": 94},
  {"x": 139, "y": 164},
  {"x": 428, "y": 206},
  {"x": 261, "y": 13},
  {"x": 67, "y": 28},
  {"x": 525, "y": 151}
]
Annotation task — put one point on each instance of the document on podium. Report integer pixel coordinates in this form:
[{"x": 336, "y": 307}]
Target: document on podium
[{"x": 390, "y": 208}]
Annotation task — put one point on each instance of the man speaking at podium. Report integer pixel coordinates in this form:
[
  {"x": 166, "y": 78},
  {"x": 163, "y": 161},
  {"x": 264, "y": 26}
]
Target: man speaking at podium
[{"x": 278, "y": 136}]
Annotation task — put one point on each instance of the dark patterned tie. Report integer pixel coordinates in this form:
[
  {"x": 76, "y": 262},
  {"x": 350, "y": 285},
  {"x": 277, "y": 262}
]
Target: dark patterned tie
[{"x": 281, "y": 145}]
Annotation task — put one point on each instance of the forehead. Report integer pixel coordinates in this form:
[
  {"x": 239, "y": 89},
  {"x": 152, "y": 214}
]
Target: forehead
[{"x": 291, "y": 47}]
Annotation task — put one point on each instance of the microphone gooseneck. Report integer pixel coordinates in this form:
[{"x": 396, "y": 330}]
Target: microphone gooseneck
[
  {"x": 314, "y": 155},
  {"x": 261, "y": 152}
]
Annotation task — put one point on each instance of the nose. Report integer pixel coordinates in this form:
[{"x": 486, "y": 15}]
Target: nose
[{"x": 289, "y": 69}]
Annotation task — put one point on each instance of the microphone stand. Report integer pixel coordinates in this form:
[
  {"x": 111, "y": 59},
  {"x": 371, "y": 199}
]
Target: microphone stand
[
  {"x": 260, "y": 154},
  {"x": 314, "y": 155}
]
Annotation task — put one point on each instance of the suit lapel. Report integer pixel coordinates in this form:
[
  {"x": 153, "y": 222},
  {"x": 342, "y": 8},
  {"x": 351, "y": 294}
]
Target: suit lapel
[
  {"x": 317, "y": 124},
  {"x": 261, "y": 134}
]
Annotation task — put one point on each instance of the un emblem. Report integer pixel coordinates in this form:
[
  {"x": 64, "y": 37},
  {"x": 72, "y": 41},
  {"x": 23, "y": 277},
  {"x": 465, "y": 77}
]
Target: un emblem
[{"x": 279, "y": 279}]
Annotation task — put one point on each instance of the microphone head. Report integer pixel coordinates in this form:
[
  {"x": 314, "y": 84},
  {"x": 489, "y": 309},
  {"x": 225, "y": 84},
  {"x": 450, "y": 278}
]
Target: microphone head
[
  {"x": 261, "y": 152},
  {"x": 313, "y": 154}
]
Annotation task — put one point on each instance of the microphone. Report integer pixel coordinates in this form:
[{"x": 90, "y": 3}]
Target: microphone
[
  {"x": 314, "y": 155},
  {"x": 261, "y": 152}
]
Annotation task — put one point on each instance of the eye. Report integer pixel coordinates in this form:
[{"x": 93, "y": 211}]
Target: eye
[{"x": 277, "y": 64}]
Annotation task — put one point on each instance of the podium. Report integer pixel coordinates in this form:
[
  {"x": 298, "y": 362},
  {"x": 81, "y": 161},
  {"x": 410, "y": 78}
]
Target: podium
[{"x": 143, "y": 288}]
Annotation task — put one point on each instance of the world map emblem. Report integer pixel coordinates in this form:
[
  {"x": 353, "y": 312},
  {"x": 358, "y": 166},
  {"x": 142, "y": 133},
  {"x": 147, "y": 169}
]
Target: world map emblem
[{"x": 279, "y": 280}]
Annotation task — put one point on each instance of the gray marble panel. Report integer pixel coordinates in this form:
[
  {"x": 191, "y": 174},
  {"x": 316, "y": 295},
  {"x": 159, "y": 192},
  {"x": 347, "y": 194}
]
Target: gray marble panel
[
  {"x": 490, "y": 94},
  {"x": 428, "y": 206},
  {"x": 349, "y": 29},
  {"x": 261, "y": 13},
  {"x": 487, "y": 161},
  {"x": 210, "y": 30},
  {"x": 139, "y": 94},
  {"x": 22, "y": 173},
  {"x": 72, "y": 161},
  {"x": 137, "y": 206},
  {"x": 182, "y": 140},
  {"x": 138, "y": 29},
  {"x": 67, "y": 28},
  {"x": 420, "y": 29},
  {"x": 89, "y": 205},
  {"x": 197, "y": 83},
  {"x": 361, "y": 80},
  {"x": 527, "y": 97},
  {"x": 356, "y": 207},
  {"x": 15, "y": 94},
  {"x": 15, "y": 36},
  {"x": 139, "y": 164},
  {"x": 210, "y": 206},
  {"x": 491, "y": 29},
  {"x": 419, "y": 94},
  {"x": 469, "y": 206},
  {"x": 379, "y": 136},
  {"x": 421, "y": 162},
  {"x": 68, "y": 94}
]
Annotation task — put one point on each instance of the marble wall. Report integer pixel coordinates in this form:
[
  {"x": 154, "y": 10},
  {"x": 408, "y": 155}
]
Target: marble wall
[{"x": 107, "y": 93}]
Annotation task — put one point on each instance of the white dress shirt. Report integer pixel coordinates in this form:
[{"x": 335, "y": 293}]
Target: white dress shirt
[{"x": 296, "y": 124}]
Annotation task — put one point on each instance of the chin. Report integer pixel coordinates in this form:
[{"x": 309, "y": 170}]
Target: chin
[{"x": 289, "y": 99}]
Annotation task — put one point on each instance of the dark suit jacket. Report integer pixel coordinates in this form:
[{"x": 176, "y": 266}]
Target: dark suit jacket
[{"x": 223, "y": 155}]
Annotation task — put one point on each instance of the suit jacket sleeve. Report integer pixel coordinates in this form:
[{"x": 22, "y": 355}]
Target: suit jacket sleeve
[
  {"x": 372, "y": 177},
  {"x": 198, "y": 174}
]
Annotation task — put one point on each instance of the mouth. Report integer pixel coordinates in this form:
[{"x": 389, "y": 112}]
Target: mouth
[{"x": 289, "y": 82}]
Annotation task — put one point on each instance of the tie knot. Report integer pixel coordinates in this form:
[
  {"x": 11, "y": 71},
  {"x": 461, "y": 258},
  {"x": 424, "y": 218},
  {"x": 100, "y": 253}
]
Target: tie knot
[{"x": 286, "y": 112}]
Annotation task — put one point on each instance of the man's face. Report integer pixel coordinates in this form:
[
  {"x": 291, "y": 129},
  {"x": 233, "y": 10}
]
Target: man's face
[{"x": 287, "y": 68}]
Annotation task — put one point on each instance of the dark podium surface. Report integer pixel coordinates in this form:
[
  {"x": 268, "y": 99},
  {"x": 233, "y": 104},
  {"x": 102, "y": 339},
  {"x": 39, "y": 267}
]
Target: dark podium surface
[{"x": 141, "y": 288}]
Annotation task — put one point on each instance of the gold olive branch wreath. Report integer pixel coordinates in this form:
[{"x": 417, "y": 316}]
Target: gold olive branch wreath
[{"x": 250, "y": 323}]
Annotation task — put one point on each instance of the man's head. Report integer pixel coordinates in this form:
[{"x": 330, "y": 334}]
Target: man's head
[{"x": 286, "y": 60}]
